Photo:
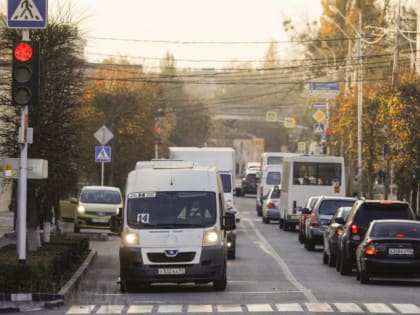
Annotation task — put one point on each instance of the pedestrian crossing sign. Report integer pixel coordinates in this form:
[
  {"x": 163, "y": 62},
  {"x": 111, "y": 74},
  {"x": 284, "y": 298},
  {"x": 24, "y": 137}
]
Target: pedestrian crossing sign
[
  {"x": 102, "y": 154},
  {"x": 27, "y": 14}
]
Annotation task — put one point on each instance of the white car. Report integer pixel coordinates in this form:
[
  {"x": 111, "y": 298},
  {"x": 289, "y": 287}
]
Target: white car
[{"x": 270, "y": 210}]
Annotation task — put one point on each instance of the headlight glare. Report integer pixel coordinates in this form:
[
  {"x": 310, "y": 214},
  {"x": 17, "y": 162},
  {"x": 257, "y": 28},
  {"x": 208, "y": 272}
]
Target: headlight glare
[
  {"x": 211, "y": 237},
  {"x": 81, "y": 209},
  {"x": 131, "y": 238}
]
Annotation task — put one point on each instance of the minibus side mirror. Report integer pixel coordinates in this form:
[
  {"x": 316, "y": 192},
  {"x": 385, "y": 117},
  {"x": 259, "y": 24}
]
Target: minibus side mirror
[{"x": 230, "y": 222}]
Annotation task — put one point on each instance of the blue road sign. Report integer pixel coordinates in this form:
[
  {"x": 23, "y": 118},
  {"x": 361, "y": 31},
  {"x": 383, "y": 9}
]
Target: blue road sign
[
  {"x": 102, "y": 154},
  {"x": 30, "y": 14},
  {"x": 324, "y": 86}
]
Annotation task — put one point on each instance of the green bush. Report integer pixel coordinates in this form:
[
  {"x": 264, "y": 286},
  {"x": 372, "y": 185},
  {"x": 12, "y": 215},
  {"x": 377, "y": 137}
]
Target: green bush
[{"x": 46, "y": 270}]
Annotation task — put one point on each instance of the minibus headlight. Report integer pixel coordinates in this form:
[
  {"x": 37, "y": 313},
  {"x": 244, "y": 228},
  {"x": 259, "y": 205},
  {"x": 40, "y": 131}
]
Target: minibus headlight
[
  {"x": 81, "y": 209},
  {"x": 130, "y": 238},
  {"x": 211, "y": 237}
]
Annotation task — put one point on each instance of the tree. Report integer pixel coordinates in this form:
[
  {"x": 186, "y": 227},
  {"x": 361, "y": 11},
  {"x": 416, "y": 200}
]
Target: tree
[{"x": 53, "y": 119}]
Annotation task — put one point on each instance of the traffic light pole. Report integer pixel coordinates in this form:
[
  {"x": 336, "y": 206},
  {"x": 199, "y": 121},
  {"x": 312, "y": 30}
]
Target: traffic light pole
[{"x": 22, "y": 187}]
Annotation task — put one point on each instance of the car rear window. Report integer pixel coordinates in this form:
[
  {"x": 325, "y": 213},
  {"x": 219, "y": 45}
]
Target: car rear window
[
  {"x": 329, "y": 207},
  {"x": 370, "y": 212},
  {"x": 396, "y": 229}
]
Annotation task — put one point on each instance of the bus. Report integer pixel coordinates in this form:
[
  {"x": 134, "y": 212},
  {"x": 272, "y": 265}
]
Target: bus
[{"x": 305, "y": 176}]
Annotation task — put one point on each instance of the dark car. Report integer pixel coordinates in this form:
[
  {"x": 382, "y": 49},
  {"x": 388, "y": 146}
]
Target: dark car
[
  {"x": 320, "y": 217},
  {"x": 249, "y": 183},
  {"x": 361, "y": 215},
  {"x": 304, "y": 215},
  {"x": 390, "y": 248},
  {"x": 331, "y": 233}
]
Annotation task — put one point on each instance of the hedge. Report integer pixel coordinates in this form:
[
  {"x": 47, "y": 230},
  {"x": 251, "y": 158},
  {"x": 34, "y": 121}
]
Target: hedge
[{"x": 46, "y": 270}]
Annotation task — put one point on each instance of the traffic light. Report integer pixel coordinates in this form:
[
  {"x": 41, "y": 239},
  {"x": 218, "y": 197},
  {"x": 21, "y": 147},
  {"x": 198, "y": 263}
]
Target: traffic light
[{"x": 25, "y": 73}]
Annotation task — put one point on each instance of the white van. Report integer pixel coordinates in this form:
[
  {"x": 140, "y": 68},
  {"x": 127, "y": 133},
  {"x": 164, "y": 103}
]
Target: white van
[
  {"x": 305, "y": 176},
  {"x": 269, "y": 159},
  {"x": 162, "y": 237}
]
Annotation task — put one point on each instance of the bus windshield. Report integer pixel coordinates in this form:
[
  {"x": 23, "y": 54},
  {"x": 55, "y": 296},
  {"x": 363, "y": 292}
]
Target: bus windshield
[{"x": 316, "y": 173}]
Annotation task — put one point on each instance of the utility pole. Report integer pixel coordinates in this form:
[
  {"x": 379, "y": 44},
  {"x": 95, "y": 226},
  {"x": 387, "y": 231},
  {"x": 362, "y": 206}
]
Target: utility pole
[
  {"x": 359, "y": 106},
  {"x": 394, "y": 81}
]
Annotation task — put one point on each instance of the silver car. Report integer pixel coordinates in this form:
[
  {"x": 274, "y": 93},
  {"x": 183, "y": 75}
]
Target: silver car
[{"x": 270, "y": 208}]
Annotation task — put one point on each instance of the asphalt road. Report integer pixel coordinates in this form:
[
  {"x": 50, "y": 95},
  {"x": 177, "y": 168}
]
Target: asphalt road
[{"x": 272, "y": 274}]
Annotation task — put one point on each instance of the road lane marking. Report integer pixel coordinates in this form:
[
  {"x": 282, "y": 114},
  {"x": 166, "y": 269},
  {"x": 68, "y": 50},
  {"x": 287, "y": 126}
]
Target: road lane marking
[
  {"x": 80, "y": 309},
  {"x": 169, "y": 309},
  {"x": 228, "y": 308},
  {"x": 200, "y": 308},
  {"x": 259, "y": 307},
  {"x": 290, "y": 307},
  {"x": 407, "y": 308},
  {"x": 110, "y": 309},
  {"x": 289, "y": 275},
  {"x": 319, "y": 307},
  {"x": 378, "y": 308},
  {"x": 348, "y": 308},
  {"x": 139, "y": 309}
]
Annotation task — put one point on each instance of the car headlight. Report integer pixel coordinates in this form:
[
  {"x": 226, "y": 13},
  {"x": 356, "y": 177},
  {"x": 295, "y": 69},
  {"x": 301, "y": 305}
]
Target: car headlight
[
  {"x": 81, "y": 209},
  {"x": 130, "y": 238},
  {"x": 211, "y": 237}
]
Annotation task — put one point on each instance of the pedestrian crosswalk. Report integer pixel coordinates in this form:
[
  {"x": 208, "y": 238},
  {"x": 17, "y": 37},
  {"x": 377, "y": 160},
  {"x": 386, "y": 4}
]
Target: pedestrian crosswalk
[{"x": 286, "y": 308}]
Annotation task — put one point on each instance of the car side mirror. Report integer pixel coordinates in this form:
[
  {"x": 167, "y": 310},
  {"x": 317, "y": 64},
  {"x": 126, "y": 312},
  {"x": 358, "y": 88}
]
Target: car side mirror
[{"x": 116, "y": 222}]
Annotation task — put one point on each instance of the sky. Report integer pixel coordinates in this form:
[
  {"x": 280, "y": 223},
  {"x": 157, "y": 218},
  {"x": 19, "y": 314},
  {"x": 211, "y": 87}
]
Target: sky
[
  {"x": 199, "y": 33},
  {"x": 146, "y": 29}
]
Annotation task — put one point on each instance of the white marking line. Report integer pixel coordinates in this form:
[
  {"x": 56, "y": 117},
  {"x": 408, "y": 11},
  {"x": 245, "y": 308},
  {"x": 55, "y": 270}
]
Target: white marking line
[
  {"x": 292, "y": 307},
  {"x": 228, "y": 308},
  {"x": 80, "y": 309},
  {"x": 348, "y": 308},
  {"x": 407, "y": 308},
  {"x": 136, "y": 309},
  {"x": 378, "y": 308},
  {"x": 200, "y": 309},
  {"x": 110, "y": 309},
  {"x": 259, "y": 308},
  {"x": 289, "y": 276},
  {"x": 169, "y": 309},
  {"x": 318, "y": 307}
]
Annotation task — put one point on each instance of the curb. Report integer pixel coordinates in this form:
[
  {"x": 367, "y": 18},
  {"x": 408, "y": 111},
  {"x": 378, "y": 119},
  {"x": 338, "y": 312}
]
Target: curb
[{"x": 50, "y": 300}]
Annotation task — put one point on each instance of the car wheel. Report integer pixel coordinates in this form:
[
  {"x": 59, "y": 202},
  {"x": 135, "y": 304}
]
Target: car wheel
[
  {"x": 76, "y": 229},
  {"x": 364, "y": 277},
  {"x": 337, "y": 262},
  {"x": 281, "y": 223},
  {"x": 309, "y": 244},
  {"x": 220, "y": 283},
  {"x": 331, "y": 260},
  {"x": 301, "y": 238},
  {"x": 286, "y": 226},
  {"x": 345, "y": 265},
  {"x": 231, "y": 254},
  {"x": 265, "y": 219},
  {"x": 259, "y": 211},
  {"x": 325, "y": 258}
]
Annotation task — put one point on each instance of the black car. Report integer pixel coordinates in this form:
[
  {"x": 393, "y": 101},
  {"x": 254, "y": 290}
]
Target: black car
[
  {"x": 331, "y": 233},
  {"x": 391, "y": 248},
  {"x": 249, "y": 183},
  {"x": 361, "y": 215}
]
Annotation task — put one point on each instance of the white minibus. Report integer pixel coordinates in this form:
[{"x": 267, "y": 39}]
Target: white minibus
[{"x": 305, "y": 176}]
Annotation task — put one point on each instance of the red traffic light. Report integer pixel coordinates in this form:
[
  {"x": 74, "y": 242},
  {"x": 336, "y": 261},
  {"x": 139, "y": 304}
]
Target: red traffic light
[{"x": 23, "y": 52}]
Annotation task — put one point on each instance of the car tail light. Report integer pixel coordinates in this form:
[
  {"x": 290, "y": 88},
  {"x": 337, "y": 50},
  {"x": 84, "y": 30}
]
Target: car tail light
[
  {"x": 306, "y": 215},
  {"x": 339, "y": 231},
  {"x": 399, "y": 235},
  {"x": 271, "y": 205},
  {"x": 314, "y": 220},
  {"x": 294, "y": 206},
  {"x": 370, "y": 249},
  {"x": 354, "y": 229}
]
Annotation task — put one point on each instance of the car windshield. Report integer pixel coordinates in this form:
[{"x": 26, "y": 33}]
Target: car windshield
[
  {"x": 171, "y": 209},
  {"x": 100, "y": 196},
  {"x": 273, "y": 178},
  {"x": 275, "y": 193},
  {"x": 329, "y": 207}
]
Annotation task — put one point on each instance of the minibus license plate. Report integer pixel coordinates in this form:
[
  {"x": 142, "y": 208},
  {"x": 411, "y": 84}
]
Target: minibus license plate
[
  {"x": 171, "y": 271},
  {"x": 400, "y": 251},
  {"x": 99, "y": 220}
]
